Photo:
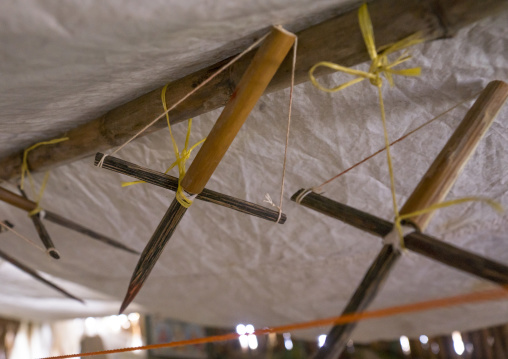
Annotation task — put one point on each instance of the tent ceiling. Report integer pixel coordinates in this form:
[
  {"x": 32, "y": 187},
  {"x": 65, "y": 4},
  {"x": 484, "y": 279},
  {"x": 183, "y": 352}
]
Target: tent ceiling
[{"x": 65, "y": 63}]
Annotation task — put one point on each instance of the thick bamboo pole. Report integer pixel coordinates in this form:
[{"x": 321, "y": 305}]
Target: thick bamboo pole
[
  {"x": 433, "y": 187},
  {"x": 338, "y": 40},
  {"x": 169, "y": 182},
  {"x": 250, "y": 88}
]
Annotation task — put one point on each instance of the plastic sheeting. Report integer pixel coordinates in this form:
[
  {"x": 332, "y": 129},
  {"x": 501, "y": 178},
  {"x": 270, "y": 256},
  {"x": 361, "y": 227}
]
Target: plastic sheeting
[{"x": 65, "y": 63}]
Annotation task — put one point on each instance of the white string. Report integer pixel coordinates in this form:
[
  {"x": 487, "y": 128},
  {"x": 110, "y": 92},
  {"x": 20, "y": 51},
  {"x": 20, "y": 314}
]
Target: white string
[
  {"x": 22, "y": 237},
  {"x": 267, "y": 196},
  {"x": 236, "y": 58}
]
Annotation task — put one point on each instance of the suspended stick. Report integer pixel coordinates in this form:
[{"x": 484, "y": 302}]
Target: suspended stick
[
  {"x": 27, "y": 205},
  {"x": 433, "y": 187},
  {"x": 43, "y": 233},
  {"x": 169, "y": 182},
  {"x": 250, "y": 88},
  {"x": 36, "y": 275},
  {"x": 417, "y": 242}
]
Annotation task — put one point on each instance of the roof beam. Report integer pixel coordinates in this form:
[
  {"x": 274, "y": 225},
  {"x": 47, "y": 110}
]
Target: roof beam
[{"x": 338, "y": 40}]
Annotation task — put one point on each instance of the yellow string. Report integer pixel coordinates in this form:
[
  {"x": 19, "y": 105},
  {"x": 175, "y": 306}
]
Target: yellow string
[
  {"x": 181, "y": 157},
  {"x": 381, "y": 65},
  {"x": 25, "y": 172}
]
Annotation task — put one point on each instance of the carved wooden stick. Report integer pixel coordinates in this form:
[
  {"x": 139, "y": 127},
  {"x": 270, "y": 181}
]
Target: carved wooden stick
[
  {"x": 250, "y": 88},
  {"x": 417, "y": 242},
  {"x": 43, "y": 233},
  {"x": 433, "y": 187},
  {"x": 27, "y": 205},
  {"x": 167, "y": 181}
]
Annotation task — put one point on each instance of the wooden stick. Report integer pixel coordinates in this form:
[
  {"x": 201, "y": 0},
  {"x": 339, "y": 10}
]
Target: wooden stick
[
  {"x": 43, "y": 233},
  {"x": 441, "y": 176},
  {"x": 432, "y": 188},
  {"x": 167, "y": 181},
  {"x": 250, "y": 88},
  {"x": 417, "y": 242},
  {"x": 338, "y": 40},
  {"x": 27, "y": 205},
  {"x": 36, "y": 275}
]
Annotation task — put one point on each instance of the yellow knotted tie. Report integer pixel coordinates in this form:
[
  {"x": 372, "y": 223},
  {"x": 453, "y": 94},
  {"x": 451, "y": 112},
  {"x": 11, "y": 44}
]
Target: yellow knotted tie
[
  {"x": 25, "y": 172},
  {"x": 181, "y": 157}
]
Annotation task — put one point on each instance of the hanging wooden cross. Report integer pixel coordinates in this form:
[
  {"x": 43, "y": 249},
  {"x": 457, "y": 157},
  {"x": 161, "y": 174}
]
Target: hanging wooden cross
[
  {"x": 170, "y": 182},
  {"x": 31, "y": 271},
  {"x": 431, "y": 190},
  {"x": 250, "y": 88},
  {"x": 28, "y": 206}
]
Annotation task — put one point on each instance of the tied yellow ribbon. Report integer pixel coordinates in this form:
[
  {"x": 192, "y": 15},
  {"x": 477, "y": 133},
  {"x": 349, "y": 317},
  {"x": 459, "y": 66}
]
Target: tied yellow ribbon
[
  {"x": 181, "y": 157},
  {"x": 25, "y": 172},
  {"x": 381, "y": 65}
]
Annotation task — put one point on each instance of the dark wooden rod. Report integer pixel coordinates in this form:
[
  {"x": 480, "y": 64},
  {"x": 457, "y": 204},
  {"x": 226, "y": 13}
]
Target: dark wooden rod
[
  {"x": 43, "y": 233},
  {"x": 169, "y": 182},
  {"x": 337, "y": 40},
  {"x": 377, "y": 273},
  {"x": 36, "y": 275},
  {"x": 418, "y": 242},
  {"x": 27, "y": 205}
]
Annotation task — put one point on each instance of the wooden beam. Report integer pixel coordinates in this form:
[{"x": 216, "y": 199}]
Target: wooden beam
[
  {"x": 433, "y": 187},
  {"x": 169, "y": 182},
  {"x": 338, "y": 40},
  {"x": 417, "y": 242}
]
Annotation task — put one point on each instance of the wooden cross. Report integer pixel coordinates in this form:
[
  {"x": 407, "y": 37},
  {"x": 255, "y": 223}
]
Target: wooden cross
[
  {"x": 170, "y": 182},
  {"x": 31, "y": 271},
  {"x": 28, "y": 206},
  {"x": 432, "y": 189},
  {"x": 250, "y": 88}
]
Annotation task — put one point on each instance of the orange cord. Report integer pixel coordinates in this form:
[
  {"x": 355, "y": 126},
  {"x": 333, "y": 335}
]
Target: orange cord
[{"x": 489, "y": 295}]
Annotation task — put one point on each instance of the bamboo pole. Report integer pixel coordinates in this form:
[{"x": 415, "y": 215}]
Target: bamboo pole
[
  {"x": 28, "y": 206},
  {"x": 250, "y": 88},
  {"x": 42, "y": 232},
  {"x": 432, "y": 188},
  {"x": 169, "y": 182},
  {"x": 338, "y": 40}
]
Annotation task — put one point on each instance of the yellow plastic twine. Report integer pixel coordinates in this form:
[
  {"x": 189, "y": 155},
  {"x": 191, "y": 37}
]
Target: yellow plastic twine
[
  {"x": 25, "y": 172},
  {"x": 381, "y": 65},
  {"x": 181, "y": 157}
]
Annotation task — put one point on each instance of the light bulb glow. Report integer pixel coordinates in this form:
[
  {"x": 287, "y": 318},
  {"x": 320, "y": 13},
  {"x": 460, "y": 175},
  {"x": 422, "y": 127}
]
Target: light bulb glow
[
  {"x": 253, "y": 341},
  {"x": 424, "y": 339},
  {"x": 244, "y": 341},
  {"x": 321, "y": 340},
  {"x": 404, "y": 344},
  {"x": 249, "y": 328},
  {"x": 458, "y": 344},
  {"x": 240, "y": 329}
]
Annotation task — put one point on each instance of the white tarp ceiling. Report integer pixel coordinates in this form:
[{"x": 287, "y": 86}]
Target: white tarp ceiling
[{"x": 63, "y": 64}]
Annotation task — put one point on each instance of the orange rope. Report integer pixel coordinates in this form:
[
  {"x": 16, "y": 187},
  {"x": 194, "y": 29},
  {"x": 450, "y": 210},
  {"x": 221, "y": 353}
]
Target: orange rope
[{"x": 489, "y": 295}]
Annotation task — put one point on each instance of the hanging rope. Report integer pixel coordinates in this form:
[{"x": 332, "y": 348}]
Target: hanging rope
[
  {"x": 268, "y": 199},
  {"x": 25, "y": 172},
  {"x": 181, "y": 157}
]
